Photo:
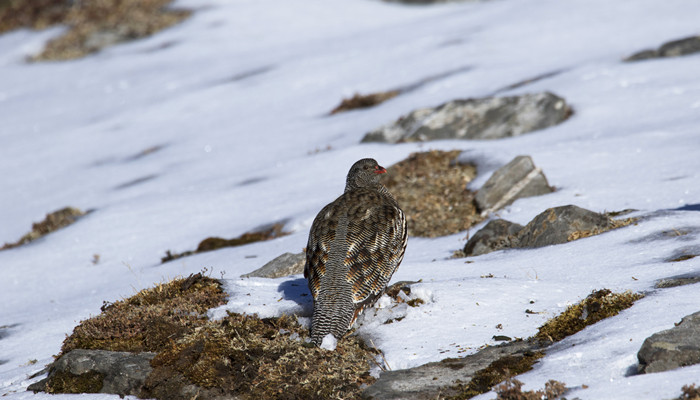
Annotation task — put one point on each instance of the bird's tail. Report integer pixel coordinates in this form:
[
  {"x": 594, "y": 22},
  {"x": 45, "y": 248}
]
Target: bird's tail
[{"x": 332, "y": 315}]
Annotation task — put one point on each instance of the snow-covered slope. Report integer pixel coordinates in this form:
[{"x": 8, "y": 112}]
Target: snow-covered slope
[{"x": 235, "y": 101}]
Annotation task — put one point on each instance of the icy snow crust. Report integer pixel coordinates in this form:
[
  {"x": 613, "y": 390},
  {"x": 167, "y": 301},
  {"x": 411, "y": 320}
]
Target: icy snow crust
[{"x": 235, "y": 100}]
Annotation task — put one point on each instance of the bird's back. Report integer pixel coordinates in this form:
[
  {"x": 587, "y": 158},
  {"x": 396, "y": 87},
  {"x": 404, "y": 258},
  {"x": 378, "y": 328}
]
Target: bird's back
[{"x": 355, "y": 245}]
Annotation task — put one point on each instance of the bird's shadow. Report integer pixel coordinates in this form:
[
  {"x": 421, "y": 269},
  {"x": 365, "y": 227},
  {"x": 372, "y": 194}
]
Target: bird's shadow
[{"x": 297, "y": 291}]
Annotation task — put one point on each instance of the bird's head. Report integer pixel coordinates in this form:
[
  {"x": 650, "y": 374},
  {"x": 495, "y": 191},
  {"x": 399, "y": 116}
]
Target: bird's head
[{"x": 364, "y": 173}]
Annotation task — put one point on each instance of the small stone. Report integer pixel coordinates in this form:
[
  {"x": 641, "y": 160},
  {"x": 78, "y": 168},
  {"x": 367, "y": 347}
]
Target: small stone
[
  {"x": 673, "y": 348},
  {"x": 497, "y": 234},
  {"x": 517, "y": 179},
  {"x": 284, "y": 265}
]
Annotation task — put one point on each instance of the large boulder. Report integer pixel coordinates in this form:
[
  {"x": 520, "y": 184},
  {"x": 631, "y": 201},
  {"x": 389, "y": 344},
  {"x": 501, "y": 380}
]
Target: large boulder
[
  {"x": 284, "y": 265},
  {"x": 483, "y": 118},
  {"x": 673, "y": 348},
  {"x": 517, "y": 179},
  {"x": 97, "y": 371},
  {"x": 673, "y": 48},
  {"x": 497, "y": 234}
]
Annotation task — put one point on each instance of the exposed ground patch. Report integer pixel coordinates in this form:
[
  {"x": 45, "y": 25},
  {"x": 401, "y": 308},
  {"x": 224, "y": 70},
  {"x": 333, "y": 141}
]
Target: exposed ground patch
[
  {"x": 214, "y": 243},
  {"x": 92, "y": 25},
  {"x": 53, "y": 222},
  {"x": 431, "y": 189}
]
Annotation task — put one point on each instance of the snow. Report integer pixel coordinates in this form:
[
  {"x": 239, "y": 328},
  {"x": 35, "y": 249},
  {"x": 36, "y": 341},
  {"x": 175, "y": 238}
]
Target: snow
[
  {"x": 235, "y": 100},
  {"x": 329, "y": 342}
]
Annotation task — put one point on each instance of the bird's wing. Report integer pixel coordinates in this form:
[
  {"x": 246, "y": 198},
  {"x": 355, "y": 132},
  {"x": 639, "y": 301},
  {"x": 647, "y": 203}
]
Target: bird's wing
[
  {"x": 318, "y": 247},
  {"x": 376, "y": 238}
]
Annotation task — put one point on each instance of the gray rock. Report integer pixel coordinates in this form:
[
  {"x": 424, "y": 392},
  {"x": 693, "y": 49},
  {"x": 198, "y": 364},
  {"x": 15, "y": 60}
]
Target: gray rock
[
  {"x": 553, "y": 226},
  {"x": 284, "y": 265},
  {"x": 673, "y": 48},
  {"x": 678, "y": 280},
  {"x": 673, "y": 348},
  {"x": 121, "y": 373},
  {"x": 436, "y": 379},
  {"x": 517, "y": 179},
  {"x": 562, "y": 224},
  {"x": 497, "y": 234},
  {"x": 484, "y": 118}
]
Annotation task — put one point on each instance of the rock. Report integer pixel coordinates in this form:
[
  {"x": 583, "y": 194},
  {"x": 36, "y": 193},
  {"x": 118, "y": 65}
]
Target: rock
[
  {"x": 497, "y": 234},
  {"x": 678, "y": 280},
  {"x": 553, "y": 226},
  {"x": 673, "y": 48},
  {"x": 672, "y": 348},
  {"x": 483, "y": 118},
  {"x": 517, "y": 179},
  {"x": 97, "y": 371},
  {"x": 562, "y": 224},
  {"x": 436, "y": 379},
  {"x": 284, "y": 265}
]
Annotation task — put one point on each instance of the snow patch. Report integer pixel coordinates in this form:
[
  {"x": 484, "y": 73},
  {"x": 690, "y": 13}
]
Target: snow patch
[{"x": 329, "y": 342}]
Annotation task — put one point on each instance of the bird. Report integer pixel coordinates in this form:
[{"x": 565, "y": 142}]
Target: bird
[{"x": 355, "y": 245}]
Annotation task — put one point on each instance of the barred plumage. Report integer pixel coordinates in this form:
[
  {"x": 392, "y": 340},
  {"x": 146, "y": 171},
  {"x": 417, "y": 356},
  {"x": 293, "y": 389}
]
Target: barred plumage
[{"x": 355, "y": 245}]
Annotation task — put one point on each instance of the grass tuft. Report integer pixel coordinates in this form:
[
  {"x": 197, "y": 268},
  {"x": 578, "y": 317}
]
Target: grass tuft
[
  {"x": 499, "y": 370},
  {"x": 600, "y": 304},
  {"x": 53, "y": 222},
  {"x": 151, "y": 319},
  {"x": 364, "y": 101},
  {"x": 255, "y": 358},
  {"x": 511, "y": 389},
  {"x": 214, "y": 243}
]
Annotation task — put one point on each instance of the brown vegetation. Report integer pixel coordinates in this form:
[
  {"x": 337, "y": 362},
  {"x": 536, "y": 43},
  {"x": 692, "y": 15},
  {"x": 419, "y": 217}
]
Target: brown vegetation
[
  {"x": 499, "y": 370},
  {"x": 256, "y": 358},
  {"x": 92, "y": 24},
  {"x": 150, "y": 319},
  {"x": 215, "y": 243},
  {"x": 364, "y": 101},
  {"x": 600, "y": 304},
  {"x": 511, "y": 389},
  {"x": 431, "y": 189},
  {"x": 53, "y": 222}
]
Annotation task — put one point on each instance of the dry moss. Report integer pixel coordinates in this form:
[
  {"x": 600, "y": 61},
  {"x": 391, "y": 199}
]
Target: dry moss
[
  {"x": 431, "y": 189},
  {"x": 364, "y": 101},
  {"x": 65, "y": 382},
  {"x": 511, "y": 389},
  {"x": 256, "y": 358},
  {"x": 92, "y": 24},
  {"x": 215, "y": 243},
  {"x": 150, "y": 319},
  {"x": 690, "y": 392},
  {"x": 600, "y": 304},
  {"x": 613, "y": 224},
  {"x": 53, "y": 222},
  {"x": 499, "y": 370}
]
